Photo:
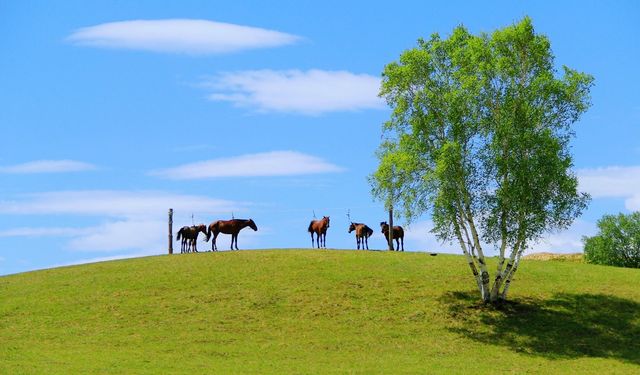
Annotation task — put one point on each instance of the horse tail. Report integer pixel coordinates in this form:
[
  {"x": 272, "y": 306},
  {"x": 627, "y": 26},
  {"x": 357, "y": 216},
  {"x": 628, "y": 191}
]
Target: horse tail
[
  {"x": 310, "y": 229},
  {"x": 179, "y": 234},
  {"x": 208, "y": 233}
]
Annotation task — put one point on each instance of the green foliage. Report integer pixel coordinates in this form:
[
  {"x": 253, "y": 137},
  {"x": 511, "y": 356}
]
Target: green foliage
[
  {"x": 479, "y": 136},
  {"x": 617, "y": 243},
  {"x": 314, "y": 312}
]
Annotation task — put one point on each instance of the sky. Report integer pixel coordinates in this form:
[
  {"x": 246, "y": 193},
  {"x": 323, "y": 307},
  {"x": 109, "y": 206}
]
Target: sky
[{"x": 115, "y": 111}]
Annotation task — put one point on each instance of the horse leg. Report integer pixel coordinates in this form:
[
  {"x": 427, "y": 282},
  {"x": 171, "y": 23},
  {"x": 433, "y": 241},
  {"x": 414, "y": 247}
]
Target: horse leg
[
  {"x": 234, "y": 239},
  {"x": 402, "y": 241},
  {"x": 358, "y": 242},
  {"x": 213, "y": 244},
  {"x": 366, "y": 241}
]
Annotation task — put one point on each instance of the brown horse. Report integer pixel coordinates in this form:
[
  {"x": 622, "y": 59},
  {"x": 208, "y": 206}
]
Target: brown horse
[
  {"x": 231, "y": 227},
  {"x": 398, "y": 234},
  {"x": 363, "y": 232},
  {"x": 319, "y": 227},
  {"x": 190, "y": 237}
]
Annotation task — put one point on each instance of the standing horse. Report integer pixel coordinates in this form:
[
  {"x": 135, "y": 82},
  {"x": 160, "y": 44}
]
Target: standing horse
[
  {"x": 363, "y": 232},
  {"x": 182, "y": 233},
  {"x": 231, "y": 227},
  {"x": 398, "y": 234},
  {"x": 319, "y": 227},
  {"x": 190, "y": 237}
]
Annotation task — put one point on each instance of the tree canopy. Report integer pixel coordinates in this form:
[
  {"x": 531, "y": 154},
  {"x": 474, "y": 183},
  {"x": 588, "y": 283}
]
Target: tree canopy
[
  {"x": 617, "y": 242},
  {"x": 479, "y": 136}
]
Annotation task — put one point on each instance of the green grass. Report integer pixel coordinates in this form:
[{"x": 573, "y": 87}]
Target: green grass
[{"x": 303, "y": 311}]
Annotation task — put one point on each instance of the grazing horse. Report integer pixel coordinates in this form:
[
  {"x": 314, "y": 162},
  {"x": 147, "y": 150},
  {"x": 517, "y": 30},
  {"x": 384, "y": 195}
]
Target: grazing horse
[
  {"x": 363, "y": 232},
  {"x": 319, "y": 227},
  {"x": 231, "y": 227},
  {"x": 190, "y": 237},
  {"x": 398, "y": 234}
]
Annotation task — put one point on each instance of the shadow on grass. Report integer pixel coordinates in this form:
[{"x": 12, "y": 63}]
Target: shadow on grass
[{"x": 565, "y": 326}]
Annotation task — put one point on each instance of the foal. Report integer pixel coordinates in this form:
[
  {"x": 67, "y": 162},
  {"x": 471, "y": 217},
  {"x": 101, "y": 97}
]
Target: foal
[{"x": 190, "y": 237}]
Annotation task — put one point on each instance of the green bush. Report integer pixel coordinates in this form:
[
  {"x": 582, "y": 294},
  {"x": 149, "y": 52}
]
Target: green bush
[{"x": 617, "y": 244}]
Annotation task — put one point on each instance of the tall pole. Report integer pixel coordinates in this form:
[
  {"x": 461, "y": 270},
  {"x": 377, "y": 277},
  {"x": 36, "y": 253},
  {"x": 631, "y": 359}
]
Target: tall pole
[
  {"x": 391, "y": 227},
  {"x": 170, "y": 231},
  {"x": 391, "y": 209}
]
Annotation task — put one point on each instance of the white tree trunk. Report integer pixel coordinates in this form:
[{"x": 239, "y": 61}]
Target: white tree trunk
[
  {"x": 507, "y": 283},
  {"x": 469, "y": 258},
  {"x": 484, "y": 290}
]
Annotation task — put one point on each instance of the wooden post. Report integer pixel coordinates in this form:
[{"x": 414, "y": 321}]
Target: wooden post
[{"x": 170, "y": 231}]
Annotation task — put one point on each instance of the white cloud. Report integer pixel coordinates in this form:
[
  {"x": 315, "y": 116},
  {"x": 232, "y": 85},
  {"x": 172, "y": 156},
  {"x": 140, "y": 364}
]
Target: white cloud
[
  {"x": 134, "y": 221},
  {"x": 102, "y": 259},
  {"x": 41, "y": 232},
  {"x": 566, "y": 241},
  {"x": 308, "y": 92},
  {"x": 418, "y": 237},
  {"x": 275, "y": 163},
  {"x": 612, "y": 182},
  {"x": 188, "y": 36},
  {"x": 146, "y": 235},
  {"x": 113, "y": 203},
  {"x": 47, "y": 166}
]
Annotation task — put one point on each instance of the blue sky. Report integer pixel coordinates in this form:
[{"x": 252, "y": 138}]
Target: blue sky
[{"x": 114, "y": 111}]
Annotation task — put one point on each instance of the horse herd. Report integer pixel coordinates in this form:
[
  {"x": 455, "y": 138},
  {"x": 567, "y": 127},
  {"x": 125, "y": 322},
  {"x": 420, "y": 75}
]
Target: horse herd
[{"x": 188, "y": 235}]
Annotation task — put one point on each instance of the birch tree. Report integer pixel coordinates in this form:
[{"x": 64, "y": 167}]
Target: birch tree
[{"x": 479, "y": 136}]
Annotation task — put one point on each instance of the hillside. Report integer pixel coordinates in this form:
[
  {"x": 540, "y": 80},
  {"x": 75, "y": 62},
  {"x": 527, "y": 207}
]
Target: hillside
[{"x": 304, "y": 311}]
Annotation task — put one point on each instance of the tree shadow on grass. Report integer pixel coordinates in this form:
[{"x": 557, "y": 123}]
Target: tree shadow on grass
[{"x": 564, "y": 326}]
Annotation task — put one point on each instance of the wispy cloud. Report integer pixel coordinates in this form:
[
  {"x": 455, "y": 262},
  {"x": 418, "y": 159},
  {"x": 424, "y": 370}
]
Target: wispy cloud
[
  {"x": 113, "y": 203},
  {"x": 613, "y": 182},
  {"x": 566, "y": 241},
  {"x": 41, "y": 232},
  {"x": 309, "y": 92},
  {"x": 419, "y": 237},
  {"x": 133, "y": 221},
  {"x": 276, "y": 163},
  {"x": 102, "y": 259},
  {"x": 145, "y": 234},
  {"x": 47, "y": 166},
  {"x": 189, "y": 36}
]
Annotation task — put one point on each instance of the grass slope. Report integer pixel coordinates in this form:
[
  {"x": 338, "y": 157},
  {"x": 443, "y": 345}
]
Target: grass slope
[{"x": 303, "y": 311}]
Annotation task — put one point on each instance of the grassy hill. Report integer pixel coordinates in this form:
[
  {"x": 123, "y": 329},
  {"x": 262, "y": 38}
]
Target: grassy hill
[{"x": 304, "y": 311}]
